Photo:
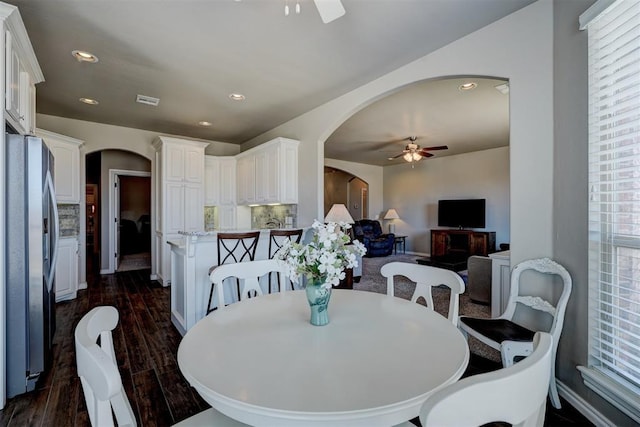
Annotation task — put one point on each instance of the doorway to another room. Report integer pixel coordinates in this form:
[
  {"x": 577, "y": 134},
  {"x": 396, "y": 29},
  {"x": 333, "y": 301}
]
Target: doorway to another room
[
  {"x": 342, "y": 187},
  {"x": 132, "y": 207}
]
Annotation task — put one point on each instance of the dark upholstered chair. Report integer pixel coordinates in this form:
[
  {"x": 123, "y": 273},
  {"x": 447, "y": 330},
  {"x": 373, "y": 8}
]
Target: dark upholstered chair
[{"x": 370, "y": 234}]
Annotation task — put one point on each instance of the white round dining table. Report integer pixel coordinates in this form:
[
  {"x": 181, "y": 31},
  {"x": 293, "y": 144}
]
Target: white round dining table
[{"x": 261, "y": 362}]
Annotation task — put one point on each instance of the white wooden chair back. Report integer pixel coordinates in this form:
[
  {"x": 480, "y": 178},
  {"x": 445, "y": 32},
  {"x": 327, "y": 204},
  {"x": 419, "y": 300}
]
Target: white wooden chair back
[
  {"x": 425, "y": 278},
  {"x": 545, "y": 266},
  {"x": 249, "y": 274},
  {"x": 98, "y": 369},
  {"x": 516, "y": 395}
]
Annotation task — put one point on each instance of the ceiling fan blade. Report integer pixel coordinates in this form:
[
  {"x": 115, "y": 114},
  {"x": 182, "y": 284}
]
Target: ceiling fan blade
[
  {"x": 425, "y": 153},
  {"x": 395, "y": 157},
  {"x": 438, "y": 147},
  {"x": 329, "y": 9}
]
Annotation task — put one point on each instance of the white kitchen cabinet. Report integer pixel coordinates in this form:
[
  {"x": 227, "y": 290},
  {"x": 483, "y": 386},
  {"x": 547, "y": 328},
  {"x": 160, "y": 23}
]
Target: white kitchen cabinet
[
  {"x": 66, "y": 155},
  {"x": 228, "y": 181},
  {"x": 180, "y": 194},
  {"x": 268, "y": 173},
  {"x": 66, "y": 279},
  {"x": 246, "y": 178},
  {"x": 21, "y": 72},
  {"x": 211, "y": 181},
  {"x": 220, "y": 181}
]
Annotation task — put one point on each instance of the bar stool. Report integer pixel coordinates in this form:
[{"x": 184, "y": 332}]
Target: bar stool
[
  {"x": 232, "y": 248},
  {"x": 276, "y": 240}
]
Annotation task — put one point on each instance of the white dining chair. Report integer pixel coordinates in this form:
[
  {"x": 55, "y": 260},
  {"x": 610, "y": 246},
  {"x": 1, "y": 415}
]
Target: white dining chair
[
  {"x": 425, "y": 278},
  {"x": 98, "y": 369},
  {"x": 516, "y": 395},
  {"x": 511, "y": 338},
  {"x": 249, "y": 274}
]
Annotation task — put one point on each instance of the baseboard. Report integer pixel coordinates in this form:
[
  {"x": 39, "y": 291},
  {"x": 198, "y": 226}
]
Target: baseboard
[
  {"x": 106, "y": 271},
  {"x": 575, "y": 400},
  {"x": 82, "y": 285}
]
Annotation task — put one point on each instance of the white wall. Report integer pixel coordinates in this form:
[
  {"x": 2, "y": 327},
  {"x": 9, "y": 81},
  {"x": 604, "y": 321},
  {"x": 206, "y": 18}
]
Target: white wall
[{"x": 414, "y": 192}]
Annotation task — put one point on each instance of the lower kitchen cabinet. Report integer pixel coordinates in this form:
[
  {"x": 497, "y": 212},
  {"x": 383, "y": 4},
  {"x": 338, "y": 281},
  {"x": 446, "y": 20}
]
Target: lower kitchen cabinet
[{"x": 67, "y": 269}]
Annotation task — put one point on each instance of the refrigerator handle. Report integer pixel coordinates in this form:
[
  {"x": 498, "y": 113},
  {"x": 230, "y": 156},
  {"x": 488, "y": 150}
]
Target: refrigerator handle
[{"x": 56, "y": 232}]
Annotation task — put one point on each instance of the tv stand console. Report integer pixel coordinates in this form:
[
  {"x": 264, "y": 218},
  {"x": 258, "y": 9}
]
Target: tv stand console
[
  {"x": 449, "y": 242},
  {"x": 450, "y": 248}
]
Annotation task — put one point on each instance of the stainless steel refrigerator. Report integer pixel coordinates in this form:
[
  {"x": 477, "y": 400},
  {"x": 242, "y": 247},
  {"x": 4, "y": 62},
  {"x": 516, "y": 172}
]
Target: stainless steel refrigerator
[{"x": 31, "y": 250}]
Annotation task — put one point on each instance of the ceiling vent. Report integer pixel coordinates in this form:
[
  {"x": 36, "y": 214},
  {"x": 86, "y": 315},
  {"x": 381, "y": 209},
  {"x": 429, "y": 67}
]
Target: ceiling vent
[{"x": 148, "y": 100}]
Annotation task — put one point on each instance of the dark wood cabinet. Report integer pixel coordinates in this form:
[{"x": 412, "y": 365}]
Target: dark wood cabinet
[{"x": 462, "y": 243}]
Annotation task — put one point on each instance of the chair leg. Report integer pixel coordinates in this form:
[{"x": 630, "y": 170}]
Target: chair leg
[
  {"x": 553, "y": 388},
  {"x": 209, "y": 309}
]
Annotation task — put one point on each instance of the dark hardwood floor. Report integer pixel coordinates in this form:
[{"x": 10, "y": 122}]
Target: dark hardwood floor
[{"x": 146, "y": 345}]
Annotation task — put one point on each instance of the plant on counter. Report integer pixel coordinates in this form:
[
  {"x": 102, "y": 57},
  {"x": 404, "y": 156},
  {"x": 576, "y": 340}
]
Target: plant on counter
[{"x": 325, "y": 258}]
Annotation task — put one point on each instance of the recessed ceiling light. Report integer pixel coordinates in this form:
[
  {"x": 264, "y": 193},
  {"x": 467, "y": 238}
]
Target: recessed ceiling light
[
  {"x": 237, "y": 97},
  {"x": 468, "y": 86},
  {"x": 83, "y": 56},
  {"x": 89, "y": 101},
  {"x": 204, "y": 123}
]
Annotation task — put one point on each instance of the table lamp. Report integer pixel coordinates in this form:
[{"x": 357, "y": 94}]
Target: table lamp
[
  {"x": 339, "y": 213},
  {"x": 391, "y": 215}
]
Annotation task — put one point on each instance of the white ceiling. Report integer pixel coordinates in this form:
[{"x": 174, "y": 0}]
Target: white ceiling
[{"x": 193, "y": 53}]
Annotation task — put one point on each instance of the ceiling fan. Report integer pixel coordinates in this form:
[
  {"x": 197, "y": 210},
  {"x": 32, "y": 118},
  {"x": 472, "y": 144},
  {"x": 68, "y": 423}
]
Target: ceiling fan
[
  {"x": 413, "y": 153},
  {"x": 329, "y": 10}
]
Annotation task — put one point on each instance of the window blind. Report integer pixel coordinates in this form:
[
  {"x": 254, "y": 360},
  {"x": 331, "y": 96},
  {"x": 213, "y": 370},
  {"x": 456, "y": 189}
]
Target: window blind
[{"x": 614, "y": 191}]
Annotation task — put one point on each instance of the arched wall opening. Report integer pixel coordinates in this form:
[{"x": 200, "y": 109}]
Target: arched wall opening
[
  {"x": 475, "y": 126},
  {"x": 95, "y": 172},
  {"x": 341, "y": 187}
]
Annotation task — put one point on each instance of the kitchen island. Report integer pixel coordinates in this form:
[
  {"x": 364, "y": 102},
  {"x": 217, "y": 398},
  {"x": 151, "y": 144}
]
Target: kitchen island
[{"x": 191, "y": 258}]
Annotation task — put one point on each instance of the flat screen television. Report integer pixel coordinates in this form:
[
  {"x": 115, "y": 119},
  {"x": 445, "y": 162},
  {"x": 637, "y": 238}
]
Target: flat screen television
[{"x": 463, "y": 213}]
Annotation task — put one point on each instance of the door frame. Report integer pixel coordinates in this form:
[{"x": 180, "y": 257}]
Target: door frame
[{"x": 114, "y": 176}]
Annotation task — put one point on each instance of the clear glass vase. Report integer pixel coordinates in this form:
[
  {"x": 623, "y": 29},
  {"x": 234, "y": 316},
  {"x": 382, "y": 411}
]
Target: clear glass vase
[{"x": 318, "y": 297}]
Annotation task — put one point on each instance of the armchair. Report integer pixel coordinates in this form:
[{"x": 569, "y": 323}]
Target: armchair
[{"x": 369, "y": 232}]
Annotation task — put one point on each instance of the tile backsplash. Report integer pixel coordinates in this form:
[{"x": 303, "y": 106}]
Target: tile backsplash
[
  {"x": 279, "y": 216},
  {"x": 69, "y": 219}
]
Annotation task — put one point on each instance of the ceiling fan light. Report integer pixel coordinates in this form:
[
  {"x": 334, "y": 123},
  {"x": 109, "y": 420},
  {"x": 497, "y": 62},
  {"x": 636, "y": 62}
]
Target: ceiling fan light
[
  {"x": 416, "y": 156},
  {"x": 408, "y": 157}
]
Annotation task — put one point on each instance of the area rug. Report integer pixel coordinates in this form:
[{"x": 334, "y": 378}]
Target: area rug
[
  {"x": 132, "y": 262},
  {"x": 373, "y": 281}
]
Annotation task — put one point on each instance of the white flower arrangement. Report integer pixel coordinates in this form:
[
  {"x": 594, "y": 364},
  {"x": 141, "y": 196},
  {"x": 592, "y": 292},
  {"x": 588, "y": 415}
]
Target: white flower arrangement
[{"x": 325, "y": 258}]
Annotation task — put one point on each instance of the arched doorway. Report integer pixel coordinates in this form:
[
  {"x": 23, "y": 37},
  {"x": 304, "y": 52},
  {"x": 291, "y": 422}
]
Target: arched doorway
[
  {"x": 118, "y": 198},
  {"x": 341, "y": 187}
]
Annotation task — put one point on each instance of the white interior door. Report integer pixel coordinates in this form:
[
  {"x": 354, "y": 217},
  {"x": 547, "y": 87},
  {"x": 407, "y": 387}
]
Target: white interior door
[{"x": 116, "y": 214}]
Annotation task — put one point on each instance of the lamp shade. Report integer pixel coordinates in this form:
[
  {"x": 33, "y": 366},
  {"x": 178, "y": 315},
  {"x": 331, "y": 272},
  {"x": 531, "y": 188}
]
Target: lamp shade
[
  {"x": 339, "y": 213},
  {"x": 391, "y": 214}
]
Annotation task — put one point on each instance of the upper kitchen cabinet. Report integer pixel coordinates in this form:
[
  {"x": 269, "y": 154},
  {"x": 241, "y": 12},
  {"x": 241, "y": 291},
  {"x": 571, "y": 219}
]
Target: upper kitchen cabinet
[
  {"x": 22, "y": 71},
  {"x": 219, "y": 181},
  {"x": 66, "y": 157},
  {"x": 269, "y": 173}
]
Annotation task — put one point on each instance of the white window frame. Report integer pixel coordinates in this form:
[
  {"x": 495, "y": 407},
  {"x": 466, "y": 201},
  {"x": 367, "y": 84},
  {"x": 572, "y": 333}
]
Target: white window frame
[{"x": 606, "y": 240}]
